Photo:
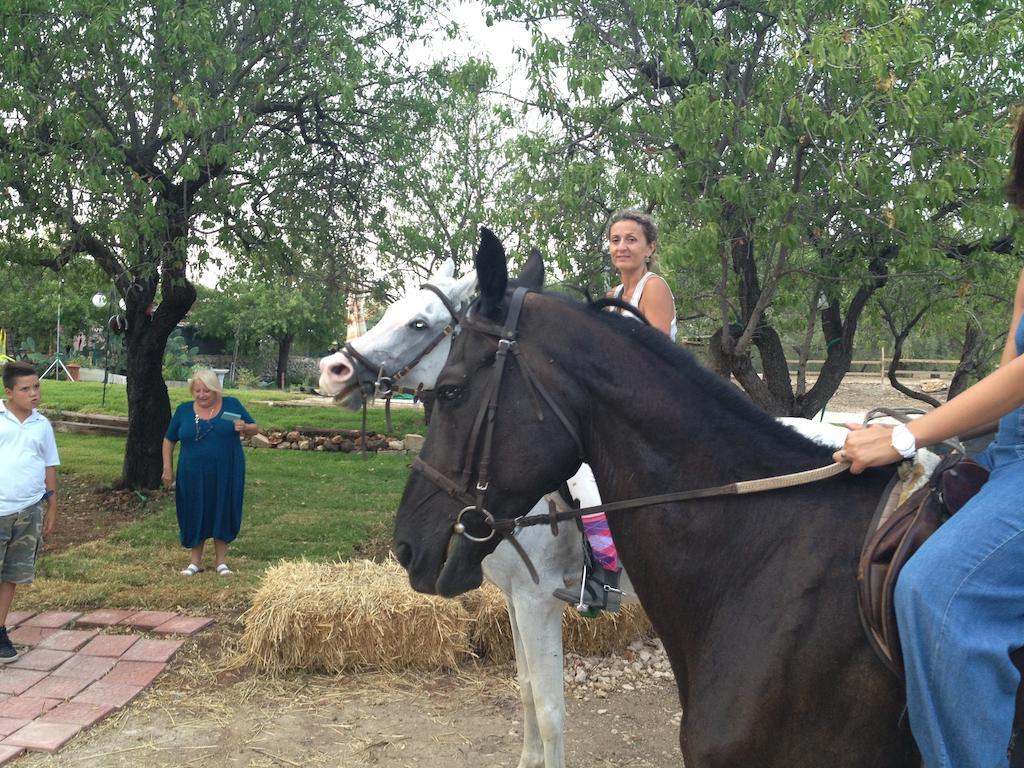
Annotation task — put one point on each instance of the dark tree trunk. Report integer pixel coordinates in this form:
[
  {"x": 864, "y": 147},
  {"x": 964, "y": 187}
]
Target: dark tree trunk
[
  {"x": 149, "y": 410},
  {"x": 971, "y": 360},
  {"x": 284, "y": 348}
]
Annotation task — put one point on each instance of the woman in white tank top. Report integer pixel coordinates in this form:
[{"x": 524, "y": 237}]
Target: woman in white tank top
[{"x": 632, "y": 238}]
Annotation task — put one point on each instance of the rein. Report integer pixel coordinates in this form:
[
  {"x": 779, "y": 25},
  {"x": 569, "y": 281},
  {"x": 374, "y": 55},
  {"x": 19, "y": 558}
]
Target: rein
[{"x": 480, "y": 460}]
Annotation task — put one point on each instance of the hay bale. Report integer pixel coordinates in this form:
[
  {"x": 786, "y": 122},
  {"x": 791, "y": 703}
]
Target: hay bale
[
  {"x": 362, "y": 615},
  {"x": 350, "y": 616},
  {"x": 491, "y": 634},
  {"x": 608, "y": 633}
]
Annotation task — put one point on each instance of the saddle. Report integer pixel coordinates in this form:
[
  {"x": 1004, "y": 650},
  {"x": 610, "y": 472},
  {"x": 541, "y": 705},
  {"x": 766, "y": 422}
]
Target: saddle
[{"x": 910, "y": 511}]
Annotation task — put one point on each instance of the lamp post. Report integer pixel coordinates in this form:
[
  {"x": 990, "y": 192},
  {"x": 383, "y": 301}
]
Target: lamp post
[{"x": 99, "y": 300}]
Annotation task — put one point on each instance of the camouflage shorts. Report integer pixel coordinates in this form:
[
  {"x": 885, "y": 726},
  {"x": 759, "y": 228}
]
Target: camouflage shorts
[{"x": 21, "y": 535}]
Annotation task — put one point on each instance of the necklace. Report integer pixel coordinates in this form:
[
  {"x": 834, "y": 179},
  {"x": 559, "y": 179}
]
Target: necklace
[{"x": 208, "y": 421}]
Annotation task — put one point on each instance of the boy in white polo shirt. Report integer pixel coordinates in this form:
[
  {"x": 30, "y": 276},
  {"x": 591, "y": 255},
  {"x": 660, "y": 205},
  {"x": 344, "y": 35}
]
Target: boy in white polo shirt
[{"x": 28, "y": 486}]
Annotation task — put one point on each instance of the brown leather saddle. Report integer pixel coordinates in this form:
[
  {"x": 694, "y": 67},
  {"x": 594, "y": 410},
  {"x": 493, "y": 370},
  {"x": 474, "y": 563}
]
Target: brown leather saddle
[{"x": 897, "y": 531}]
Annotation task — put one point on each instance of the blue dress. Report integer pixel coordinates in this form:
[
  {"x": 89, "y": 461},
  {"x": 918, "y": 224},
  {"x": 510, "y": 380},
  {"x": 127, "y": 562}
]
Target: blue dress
[{"x": 210, "y": 480}]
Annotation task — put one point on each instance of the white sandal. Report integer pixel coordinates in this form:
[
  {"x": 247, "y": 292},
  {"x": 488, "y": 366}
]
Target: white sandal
[
  {"x": 191, "y": 570},
  {"x": 223, "y": 570}
]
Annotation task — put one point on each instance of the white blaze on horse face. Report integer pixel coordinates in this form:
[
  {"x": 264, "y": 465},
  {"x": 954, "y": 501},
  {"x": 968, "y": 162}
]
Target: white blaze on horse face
[{"x": 406, "y": 327}]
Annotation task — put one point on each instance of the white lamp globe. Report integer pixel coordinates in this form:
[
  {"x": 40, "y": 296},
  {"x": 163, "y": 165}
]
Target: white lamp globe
[{"x": 99, "y": 300}]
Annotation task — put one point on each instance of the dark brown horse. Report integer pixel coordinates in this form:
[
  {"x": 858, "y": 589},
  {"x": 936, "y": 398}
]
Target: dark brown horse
[{"x": 754, "y": 596}]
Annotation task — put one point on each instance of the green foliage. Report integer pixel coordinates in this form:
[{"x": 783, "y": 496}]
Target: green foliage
[
  {"x": 246, "y": 379},
  {"x": 179, "y": 358},
  {"x": 792, "y": 150}
]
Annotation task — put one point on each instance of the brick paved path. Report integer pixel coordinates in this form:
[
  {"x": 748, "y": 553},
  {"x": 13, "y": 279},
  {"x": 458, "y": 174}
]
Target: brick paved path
[{"x": 80, "y": 669}]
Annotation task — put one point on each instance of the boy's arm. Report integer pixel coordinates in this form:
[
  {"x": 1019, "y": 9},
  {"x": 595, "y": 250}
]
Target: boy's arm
[{"x": 50, "y": 521}]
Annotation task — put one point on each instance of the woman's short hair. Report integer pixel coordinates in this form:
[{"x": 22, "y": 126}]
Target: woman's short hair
[
  {"x": 644, "y": 219},
  {"x": 207, "y": 378}
]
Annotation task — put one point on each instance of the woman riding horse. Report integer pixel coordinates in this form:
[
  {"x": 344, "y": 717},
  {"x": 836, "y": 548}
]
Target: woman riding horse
[{"x": 960, "y": 598}]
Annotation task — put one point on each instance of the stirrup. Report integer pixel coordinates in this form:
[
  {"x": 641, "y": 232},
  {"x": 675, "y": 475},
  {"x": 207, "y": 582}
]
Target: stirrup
[{"x": 596, "y": 592}]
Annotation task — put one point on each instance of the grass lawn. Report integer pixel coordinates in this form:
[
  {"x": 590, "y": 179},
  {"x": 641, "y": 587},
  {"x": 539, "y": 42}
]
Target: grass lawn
[
  {"x": 320, "y": 506},
  {"x": 269, "y": 407}
]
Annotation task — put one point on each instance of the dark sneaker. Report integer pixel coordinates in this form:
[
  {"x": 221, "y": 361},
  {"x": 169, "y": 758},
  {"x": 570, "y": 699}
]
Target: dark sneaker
[
  {"x": 8, "y": 652},
  {"x": 600, "y": 592}
]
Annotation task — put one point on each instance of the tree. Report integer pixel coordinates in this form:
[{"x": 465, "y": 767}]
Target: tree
[
  {"x": 248, "y": 311},
  {"x": 140, "y": 133},
  {"x": 798, "y": 154}
]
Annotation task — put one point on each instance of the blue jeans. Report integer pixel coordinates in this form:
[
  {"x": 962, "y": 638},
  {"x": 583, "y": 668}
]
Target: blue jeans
[{"x": 960, "y": 611}]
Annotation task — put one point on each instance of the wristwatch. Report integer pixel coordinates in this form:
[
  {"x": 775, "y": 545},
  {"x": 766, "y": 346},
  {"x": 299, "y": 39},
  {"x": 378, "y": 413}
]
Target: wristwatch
[{"x": 903, "y": 441}]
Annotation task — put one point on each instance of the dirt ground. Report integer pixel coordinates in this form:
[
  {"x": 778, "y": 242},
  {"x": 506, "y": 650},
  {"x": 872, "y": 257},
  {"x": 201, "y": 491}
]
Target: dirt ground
[{"x": 199, "y": 715}]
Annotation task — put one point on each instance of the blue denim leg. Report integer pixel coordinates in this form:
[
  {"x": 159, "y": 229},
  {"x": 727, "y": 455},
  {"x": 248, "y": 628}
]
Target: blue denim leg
[{"x": 960, "y": 610}]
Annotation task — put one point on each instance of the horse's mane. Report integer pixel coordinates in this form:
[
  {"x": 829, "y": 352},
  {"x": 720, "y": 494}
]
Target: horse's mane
[{"x": 693, "y": 373}]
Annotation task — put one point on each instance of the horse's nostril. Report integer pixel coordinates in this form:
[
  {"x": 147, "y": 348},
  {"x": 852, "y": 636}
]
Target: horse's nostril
[
  {"x": 338, "y": 370},
  {"x": 404, "y": 554}
]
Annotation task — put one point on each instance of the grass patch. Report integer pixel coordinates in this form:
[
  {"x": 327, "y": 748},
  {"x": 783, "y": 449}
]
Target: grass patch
[
  {"x": 270, "y": 408},
  {"x": 318, "y": 506}
]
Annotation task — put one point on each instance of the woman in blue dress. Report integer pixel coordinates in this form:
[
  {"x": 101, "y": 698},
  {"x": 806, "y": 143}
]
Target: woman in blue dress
[
  {"x": 210, "y": 480},
  {"x": 960, "y": 598}
]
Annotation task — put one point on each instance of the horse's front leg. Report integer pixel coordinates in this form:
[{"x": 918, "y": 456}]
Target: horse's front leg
[{"x": 537, "y": 632}]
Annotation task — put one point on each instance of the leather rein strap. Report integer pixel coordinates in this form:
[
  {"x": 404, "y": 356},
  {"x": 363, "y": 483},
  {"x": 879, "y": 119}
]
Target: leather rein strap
[{"x": 507, "y": 341}]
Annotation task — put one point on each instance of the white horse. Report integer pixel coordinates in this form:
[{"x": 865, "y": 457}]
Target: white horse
[{"x": 416, "y": 330}]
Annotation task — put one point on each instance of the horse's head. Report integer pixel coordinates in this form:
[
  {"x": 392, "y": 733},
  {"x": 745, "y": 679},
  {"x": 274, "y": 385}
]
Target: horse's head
[
  {"x": 496, "y": 442},
  {"x": 408, "y": 344}
]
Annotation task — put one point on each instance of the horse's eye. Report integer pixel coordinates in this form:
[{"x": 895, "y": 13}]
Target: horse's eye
[
  {"x": 449, "y": 393},
  {"x": 418, "y": 325}
]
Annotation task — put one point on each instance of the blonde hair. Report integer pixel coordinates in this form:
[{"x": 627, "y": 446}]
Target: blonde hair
[{"x": 208, "y": 378}]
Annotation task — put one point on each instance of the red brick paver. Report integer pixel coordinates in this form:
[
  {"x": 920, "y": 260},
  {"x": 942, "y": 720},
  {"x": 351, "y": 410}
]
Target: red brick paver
[
  {"x": 51, "y": 619},
  {"x": 85, "y": 667},
  {"x": 14, "y": 618},
  {"x": 152, "y": 650},
  {"x": 24, "y": 635},
  {"x": 42, "y": 659},
  {"x": 78, "y": 713},
  {"x": 135, "y": 673},
  {"x": 43, "y": 737},
  {"x": 109, "y": 645},
  {"x": 9, "y": 725},
  {"x": 104, "y": 617},
  {"x": 148, "y": 619},
  {"x": 67, "y": 639},
  {"x": 9, "y": 752},
  {"x": 60, "y": 688},
  {"x": 19, "y": 680},
  {"x": 26, "y": 707},
  {"x": 183, "y": 625},
  {"x": 108, "y": 693}
]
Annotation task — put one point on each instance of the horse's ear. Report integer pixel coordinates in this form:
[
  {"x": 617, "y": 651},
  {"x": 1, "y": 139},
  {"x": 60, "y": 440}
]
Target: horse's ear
[
  {"x": 446, "y": 269},
  {"x": 464, "y": 288},
  {"x": 491, "y": 272},
  {"x": 532, "y": 275}
]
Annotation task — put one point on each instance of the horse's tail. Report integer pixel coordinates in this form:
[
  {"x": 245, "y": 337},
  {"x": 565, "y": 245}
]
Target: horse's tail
[{"x": 1015, "y": 186}]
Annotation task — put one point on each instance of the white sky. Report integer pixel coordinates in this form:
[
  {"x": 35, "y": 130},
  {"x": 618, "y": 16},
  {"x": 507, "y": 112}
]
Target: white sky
[{"x": 497, "y": 43}]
